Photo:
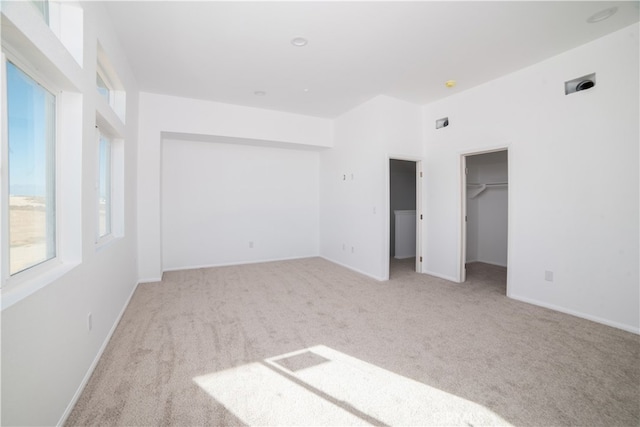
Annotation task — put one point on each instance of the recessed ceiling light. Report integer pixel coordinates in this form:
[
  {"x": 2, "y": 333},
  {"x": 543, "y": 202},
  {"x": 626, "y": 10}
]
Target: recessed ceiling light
[
  {"x": 299, "y": 41},
  {"x": 259, "y": 93},
  {"x": 602, "y": 15},
  {"x": 450, "y": 83},
  {"x": 305, "y": 90}
]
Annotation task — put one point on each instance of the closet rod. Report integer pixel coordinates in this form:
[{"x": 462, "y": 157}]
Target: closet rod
[{"x": 490, "y": 183}]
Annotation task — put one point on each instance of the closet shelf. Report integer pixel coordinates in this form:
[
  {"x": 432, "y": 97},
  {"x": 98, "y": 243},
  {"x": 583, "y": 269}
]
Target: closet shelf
[{"x": 474, "y": 190}]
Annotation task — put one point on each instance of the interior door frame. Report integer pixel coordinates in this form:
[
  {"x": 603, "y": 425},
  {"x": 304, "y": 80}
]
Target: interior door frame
[
  {"x": 463, "y": 208},
  {"x": 419, "y": 212}
]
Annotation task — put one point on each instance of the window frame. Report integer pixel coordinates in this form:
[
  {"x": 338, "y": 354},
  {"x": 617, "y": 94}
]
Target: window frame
[{"x": 8, "y": 280}]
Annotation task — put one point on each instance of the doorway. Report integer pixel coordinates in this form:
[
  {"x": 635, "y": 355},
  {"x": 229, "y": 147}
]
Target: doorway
[
  {"x": 485, "y": 206},
  {"x": 404, "y": 216}
]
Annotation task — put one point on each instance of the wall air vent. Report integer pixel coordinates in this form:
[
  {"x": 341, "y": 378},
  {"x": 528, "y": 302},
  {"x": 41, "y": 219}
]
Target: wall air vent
[
  {"x": 579, "y": 84},
  {"x": 442, "y": 123}
]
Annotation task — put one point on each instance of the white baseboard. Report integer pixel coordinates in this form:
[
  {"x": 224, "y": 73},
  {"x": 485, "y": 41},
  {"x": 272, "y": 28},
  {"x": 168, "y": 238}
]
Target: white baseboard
[
  {"x": 93, "y": 365},
  {"x": 364, "y": 273},
  {"x": 488, "y": 262},
  {"x": 442, "y": 276},
  {"x": 150, "y": 280},
  {"x": 261, "y": 261},
  {"x": 628, "y": 328}
]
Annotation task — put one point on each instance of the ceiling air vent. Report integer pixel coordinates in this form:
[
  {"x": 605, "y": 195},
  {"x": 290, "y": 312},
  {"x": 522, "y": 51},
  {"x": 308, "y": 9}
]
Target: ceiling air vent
[
  {"x": 442, "y": 123},
  {"x": 581, "y": 83}
]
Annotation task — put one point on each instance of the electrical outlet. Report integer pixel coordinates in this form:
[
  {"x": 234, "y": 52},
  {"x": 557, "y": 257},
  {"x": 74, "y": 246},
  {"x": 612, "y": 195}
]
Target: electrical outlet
[
  {"x": 89, "y": 321},
  {"x": 548, "y": 276},
  {"x": 344, "y": 247},
  {"x": 353, "y": 250}
]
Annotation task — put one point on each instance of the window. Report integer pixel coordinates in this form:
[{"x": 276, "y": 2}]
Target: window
[
  {"x": 109, "y": 182},
  {"x": 109, "y": 86},
  {"x": 43, "y": 8},
  {"x": 41, "y": 146},
  {"x": 65, "y": 18},
  {"x": 31, "y": 171},
  {"x": 104, "y": 186},
  {"x": 103, "y": 88}
]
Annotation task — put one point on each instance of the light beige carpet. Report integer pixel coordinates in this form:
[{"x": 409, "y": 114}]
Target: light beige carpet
[{"x": 307, "y": 342}]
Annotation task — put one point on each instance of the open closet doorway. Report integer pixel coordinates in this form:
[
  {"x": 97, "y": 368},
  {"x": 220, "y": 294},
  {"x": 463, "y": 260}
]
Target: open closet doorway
[
  {"x": 485, "y": 206},
  {"x": 404, "y": 216}
]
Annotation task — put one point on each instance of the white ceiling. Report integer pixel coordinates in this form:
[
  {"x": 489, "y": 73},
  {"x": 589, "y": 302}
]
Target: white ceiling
[{"x": 226, "y": 51}]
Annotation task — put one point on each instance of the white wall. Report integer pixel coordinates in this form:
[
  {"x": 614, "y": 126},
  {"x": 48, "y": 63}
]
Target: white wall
[
  {"x": 487, "y": 213},
  {"x": 167, "y": 114},
  {"x": 354, "y": 212},
  {"x": 573, "y": 178},
  {"x": 217, "y": 198},
  {"x": 47, "y": 350}
]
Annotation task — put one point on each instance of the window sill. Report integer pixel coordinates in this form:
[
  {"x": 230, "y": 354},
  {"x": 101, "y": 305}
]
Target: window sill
[
  {"x": 106, "y": 241},
  {"x": 27, "y": 283}
]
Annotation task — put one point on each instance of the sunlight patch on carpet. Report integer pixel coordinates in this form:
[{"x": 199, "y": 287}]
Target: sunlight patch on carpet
[{"x": 322, "y": 386}]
